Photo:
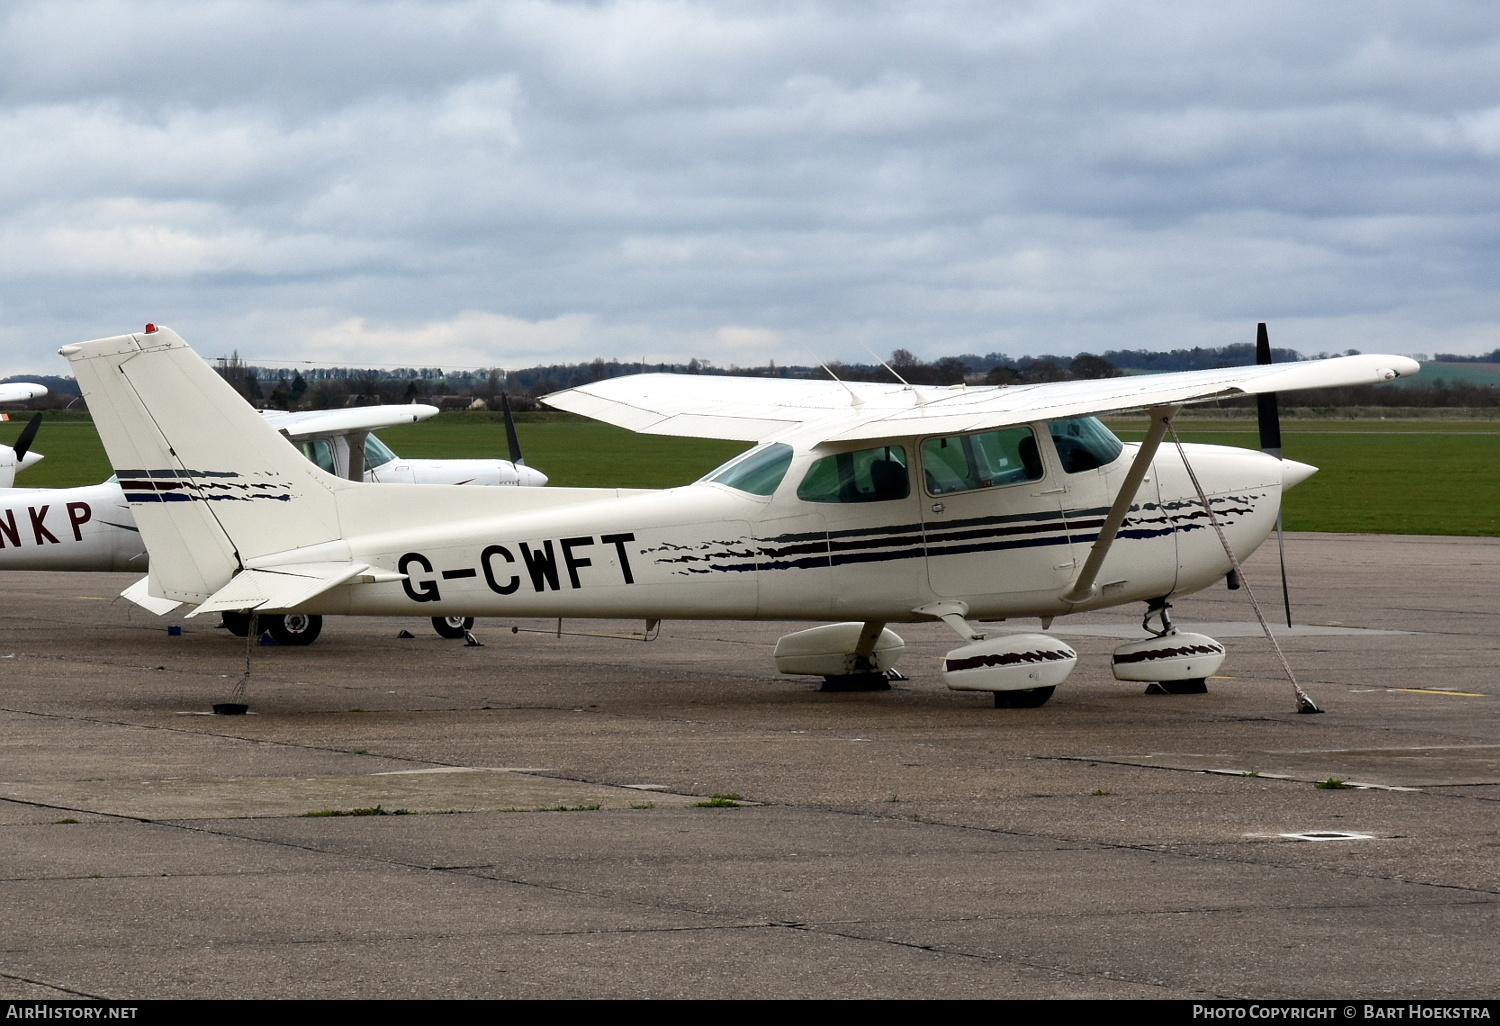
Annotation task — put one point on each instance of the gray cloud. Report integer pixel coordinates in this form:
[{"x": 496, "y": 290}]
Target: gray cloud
[{"x": 474, "y": 183}]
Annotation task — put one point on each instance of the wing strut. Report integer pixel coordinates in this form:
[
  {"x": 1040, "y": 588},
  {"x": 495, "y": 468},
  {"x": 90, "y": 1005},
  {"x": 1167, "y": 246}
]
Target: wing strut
[
  {"x": 356, "y": 441},
  {"x": 1083, "y": 587}
]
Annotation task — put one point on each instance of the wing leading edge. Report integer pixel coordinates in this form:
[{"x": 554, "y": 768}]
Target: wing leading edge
[
  {"x": 759, "y": 409},
  {"x": 316, "y": 423}
]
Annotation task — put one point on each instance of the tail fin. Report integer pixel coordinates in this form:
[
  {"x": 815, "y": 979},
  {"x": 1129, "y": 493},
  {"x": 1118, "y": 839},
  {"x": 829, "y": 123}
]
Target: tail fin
[{"x": 211, "y": 484}]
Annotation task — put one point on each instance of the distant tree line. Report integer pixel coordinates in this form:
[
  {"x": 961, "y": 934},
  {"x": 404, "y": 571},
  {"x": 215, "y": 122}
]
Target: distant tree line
[
  {"x": 294, "y": 388},
  {"x": 1493, "y": 356},
  {"x": 60, "y": 391}
]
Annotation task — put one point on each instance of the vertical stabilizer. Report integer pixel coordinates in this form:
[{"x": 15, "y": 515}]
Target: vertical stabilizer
[{"x": 210, "y": 483}]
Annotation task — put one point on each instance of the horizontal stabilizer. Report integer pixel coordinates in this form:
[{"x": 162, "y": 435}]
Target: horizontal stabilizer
[
  {"x": 279, "y": 587},
  {"x": 140, "y": 594}
]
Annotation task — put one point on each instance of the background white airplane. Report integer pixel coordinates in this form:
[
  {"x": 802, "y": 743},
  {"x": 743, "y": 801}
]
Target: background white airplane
[
  {"x": 867, "y": 503},
  {"x": 340, "y": 442},
  {"x": 92, "y": 528},
  {"x": 16, "y": 458}
]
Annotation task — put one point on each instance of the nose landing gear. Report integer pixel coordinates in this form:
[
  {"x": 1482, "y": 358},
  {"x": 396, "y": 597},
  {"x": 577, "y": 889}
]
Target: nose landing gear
[{"x": 1171, "y": 662}]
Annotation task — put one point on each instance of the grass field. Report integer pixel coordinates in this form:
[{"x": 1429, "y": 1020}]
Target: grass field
[
  {"x": 570, "y": 450},
  {"x": 1383, "y": 477},
  {"x": 1453, "y": 373},
  {"x": 1379, "y": 477}
]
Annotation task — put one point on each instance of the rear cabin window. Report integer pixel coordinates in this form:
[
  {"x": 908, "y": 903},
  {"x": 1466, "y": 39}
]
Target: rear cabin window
[
  {"x": 758, "y": 471},
  {"x": 962, "y": 463},
  {"x": 1084, "y": 444},
  {"x": 869, "y": 475}
]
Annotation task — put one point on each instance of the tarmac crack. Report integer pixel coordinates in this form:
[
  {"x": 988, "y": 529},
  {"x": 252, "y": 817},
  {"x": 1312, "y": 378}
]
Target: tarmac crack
[
  {"x": 270, "y": 742},
  {"x": 941, "y": 949},
  {"x": 50, "y": 986},
  {"x": 474, "y": 872},
  {"x": 1083, "y": 843},
  {"x": 1107, "y": 760}
]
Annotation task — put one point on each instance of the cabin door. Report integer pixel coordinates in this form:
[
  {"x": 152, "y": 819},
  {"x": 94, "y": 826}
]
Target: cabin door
[
  {"x": 994, "y": 529},
  {"x": 867, "y": 501},
  {"x": 1142, "y": 561}
]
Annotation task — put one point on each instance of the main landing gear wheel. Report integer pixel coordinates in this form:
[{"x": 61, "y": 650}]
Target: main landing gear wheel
[
  {"x": 454, "y": 627},
  {"x": 293, "y": 628},
  {"x": 856, "y": 682},
  {"x": 1189, "y": 686},
  {"x": 1031, "y": 698},
  {"x": 237, "y": 624}
]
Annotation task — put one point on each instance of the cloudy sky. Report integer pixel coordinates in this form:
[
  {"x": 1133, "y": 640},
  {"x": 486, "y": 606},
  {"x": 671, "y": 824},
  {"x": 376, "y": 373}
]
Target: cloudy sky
[{"x": 482, "y": 183}]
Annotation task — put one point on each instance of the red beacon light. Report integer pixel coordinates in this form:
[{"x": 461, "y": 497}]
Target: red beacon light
[{"x": 150, "y": 329}]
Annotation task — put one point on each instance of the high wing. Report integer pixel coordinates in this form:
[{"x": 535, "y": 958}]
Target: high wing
[
  {"x": 760, "y": 409},
  {"x": 323, "y": 423}
]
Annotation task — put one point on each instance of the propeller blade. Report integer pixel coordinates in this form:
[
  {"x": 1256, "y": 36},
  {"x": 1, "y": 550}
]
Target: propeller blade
[
  {"x": 1270, "y": 442},
  {"x": 1266, "y": 408},
  {"x": 510, "y": 433},
  {"x": 28, "y": 435}
]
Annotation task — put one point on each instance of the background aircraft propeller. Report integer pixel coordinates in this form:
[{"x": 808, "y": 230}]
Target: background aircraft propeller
[
  {"x": 1269, "y": 416},
  {"x": 510, "y": 433},
  {"x": 28, "y": 435}
]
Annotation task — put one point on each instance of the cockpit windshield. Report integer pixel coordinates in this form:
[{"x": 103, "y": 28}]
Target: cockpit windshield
[
  {"x": 377, "y": 453},
  {"x": 758, "y": 471},
  {"x": 1083, "y": 443}
]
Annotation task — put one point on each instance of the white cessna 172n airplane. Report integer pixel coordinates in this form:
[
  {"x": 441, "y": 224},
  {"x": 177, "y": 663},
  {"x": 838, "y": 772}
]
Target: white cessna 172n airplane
[
  {"x": 92, "y": 528},
  {"x": 865, "y": 503}
]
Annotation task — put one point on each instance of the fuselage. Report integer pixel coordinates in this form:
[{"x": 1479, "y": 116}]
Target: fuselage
[
  {"x": 88, "y": 528},
  {"x": 999, "y": 524}
]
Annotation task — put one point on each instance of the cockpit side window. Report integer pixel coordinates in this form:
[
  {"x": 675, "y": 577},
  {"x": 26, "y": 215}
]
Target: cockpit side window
[
  {"x": 1083, "y": 443},
  {"x": 320, "y": 451},
  {"x": 870, "y": 475},
  {"x": 962, "y": 463},
  {"x": 758, "y": 471}
]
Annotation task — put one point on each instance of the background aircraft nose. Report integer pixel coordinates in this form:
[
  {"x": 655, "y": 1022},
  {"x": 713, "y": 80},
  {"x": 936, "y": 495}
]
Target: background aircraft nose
[
  {"x": 530, "y": 477},
  {"x": 1294, "y": 473}
]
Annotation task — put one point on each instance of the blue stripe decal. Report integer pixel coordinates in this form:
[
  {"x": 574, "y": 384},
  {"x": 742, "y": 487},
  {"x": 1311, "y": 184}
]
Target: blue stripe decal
[
  {"x": 817, "y": 550},
  {"x": 172, "y": 485}
]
